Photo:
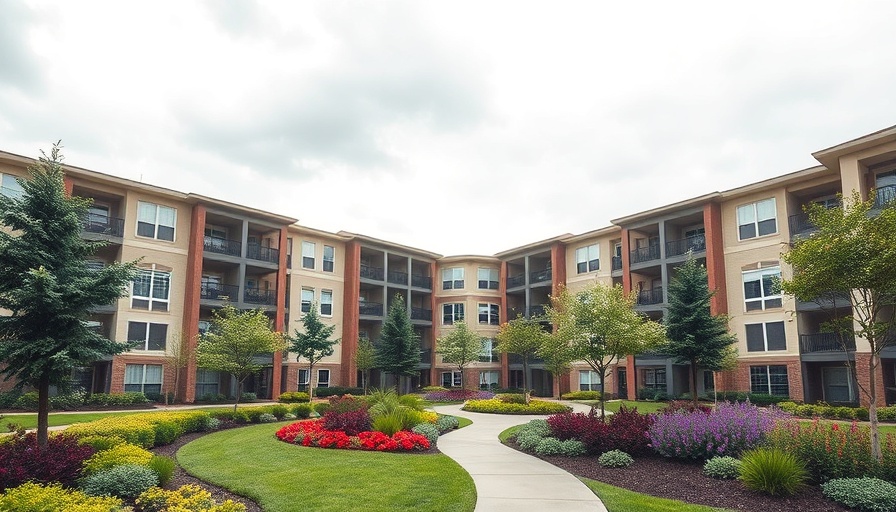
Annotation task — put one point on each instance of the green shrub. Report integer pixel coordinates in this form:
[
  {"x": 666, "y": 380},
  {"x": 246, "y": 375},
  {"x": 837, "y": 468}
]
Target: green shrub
[
  {"x": 291, "y": 397},
  {"x": 32, "y": 497},
  {"x": 302, "y": 411},
  {"x": 615, "y": 459},
  {"x": 321, "y": 408},
  {"x": 337, "y": 391},
  {"x": 279, "y": 411},
  {"x": 116, "y": 399},
  {"x": 549, "y": 446},
  {"x": 237, "y": 416},
  {"x": 886, "y": 413},
  {"x": 430, "y": 431},
  {"x": 446, "y": 422},
  {"x": 116, "y": 456},
  {"x": 431, "y": 389},
  {"x": 581, "y": 395},
  {"x": 389, "y": 423},
  {"x": 532, "y": 433},
  {"x": 188, "y": 498},
  {"x": 788, "y": 407},
  {"x": 101, "y": 443},
  {"x": 722, "y": 467},
  {"x": 864, "y": 494},
  {"x": 412, "y": 402},
  {"x": 572, "y": 448},
  {"x": 167, "y": 432},
  {"x": 8, "y": 398},
  {"x": 496, "y": 406},
  {"x": 210, "y": 424},
  {"x": 772, "y": 471},
  {"x": 163, "y": 467},
  {"x": 139, "y": 428},
  {"x": 267, "y": 418},
  {"x": 248, "y": 397},
  {"x": 511, "y": 398},
  {"x": 125, "y": 481}
]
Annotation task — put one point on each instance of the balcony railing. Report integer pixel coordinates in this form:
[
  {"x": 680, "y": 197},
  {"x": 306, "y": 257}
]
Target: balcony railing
[
  {"x": 421, "y": 314},
  {"x": 885, "y": 196},
  {"x": 824, "y": 342},
  {"x": 491, "y": 357},
  {"x": 426, "y": 356},
  {"x": 268, "y": 254},
  {"x": 651, "y": 252},
  {"x": 617, "y": 263},
  {"x": 103, "y": 225},
  {"x": 219, "y": 291},
  {"x": 258, "y": 296},
  {"x": 648, "y": 297},
  {"x": 800, "y": 225},
  {"x": 368, "y": 272},
  {"x": 421, "y": 281},
  {"x": 540, "y": 276},
  {"x": 515, "y": 281},
  {"x": 370, "y": 309},
  {"x": 692, "y": 243},
  {"x": 396, "y": 277},
  {"x": 222, "y": 246}
]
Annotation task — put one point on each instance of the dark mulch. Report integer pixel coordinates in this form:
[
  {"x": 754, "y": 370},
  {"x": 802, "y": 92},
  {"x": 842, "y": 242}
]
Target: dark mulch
[{"x": 684, "y": 481}]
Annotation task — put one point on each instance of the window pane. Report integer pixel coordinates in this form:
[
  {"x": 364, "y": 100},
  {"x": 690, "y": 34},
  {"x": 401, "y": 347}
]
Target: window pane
[
  {"x": 765, "y": 210},
  {"x": 323, "y": 378},
  {"x": 459, "y": 312},
  {"x": 447, "y": 314},
  {"x": 745, "y": 215},
  {"x": 581, "y": 268},
  {"x": 158, "y": 333},
  {"x": 774, "y": 335},
  {"x": 141, "y": 283},
  {"x": 768, "y": 284},
  {"x": 153, "y": 374},
  {"x": 133, "y": 374},
  {"x": 160, "y": 282},
  {"x": 747, "y": 231},
  {"x": 483, "y": 313},
  {"x": 137, "y": 332},
  {"x": 166, "y": 233},
  {"x": 755, "y": 338},
  {"x": 759, "y": 379},
  {"x": 146, "y": 212},
  {"x": 752, "y": 288},
  {"x": 167, "y": 216},
  {"x": 768, "y": 227}
]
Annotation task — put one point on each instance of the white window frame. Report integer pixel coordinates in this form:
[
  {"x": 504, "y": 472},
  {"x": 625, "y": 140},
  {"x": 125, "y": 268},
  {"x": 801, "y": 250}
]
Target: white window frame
[
  {"x": 10, "y": 187},
  {"x": 589, "y": 380},
  {"x": 142, "y": 379},
  {"x": 155, "y": 222},
  {"x": 148, "y": 326},
  {"x": 748, "y": 214},
  {"x": 588, "y": 259},
  {"x": 485, "y": 275},
  {"x": 152, "y": 301},
  {"x": 453, "y": 278},
  {"x": 324, "y": 296},
  {"x": 487, "y": 353},
  {"x": 308, "y": 251},
  {"x": 321, "y": 382},
  {"x": 300, "y": 382},
  {"x": 764, "y": 326},
  {"x": 749, "y": 276},
  {"x": 456, "y": 379},
  {"x": 492, "y": 313},
  {"x": 306, "y": 299},
  {"x": 768, "y": 379},
  {"x": 331, "y": 260},
  {"x": 457, "y": 313},
  {"x": 489, "y": 379}
]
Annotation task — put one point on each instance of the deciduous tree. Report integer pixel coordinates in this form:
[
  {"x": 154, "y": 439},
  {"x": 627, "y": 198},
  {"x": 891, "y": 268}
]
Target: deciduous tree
[
  {"x": 460, "y": 347},
  {"x": 365, "y": 360},
  {"x": 524, "y": 337},
  {"x": 314, "y": 344}
]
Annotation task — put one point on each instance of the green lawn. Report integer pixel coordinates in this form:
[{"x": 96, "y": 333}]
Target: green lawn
[
  {"x": 30, "y": 420},
  {"x": 644, "y": 407},
  {"x": 617, "y": 499},
  {"x": 282, "y": 477}
]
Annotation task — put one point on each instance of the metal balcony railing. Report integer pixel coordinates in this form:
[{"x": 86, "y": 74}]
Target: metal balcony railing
[
  {"x": 648, "y": 297},
  {"x": 800, "y": 225},
  {"x": 421, "y": 314},
  {"x": 258, "y": 296},
  {"x": 885, "y": 196},
  {"x": 617, "y": 263},
  {"x": 222, "y": 246},
  {"x": 102, "y": 225},
  {"x": 370, "y": 309},
  {"x": 396, "y": 277},
  {"x": 268, "y": 254},
  {"x": 421, "y": 281},
  {"x": 219, "y": 292},
  {"x": 649, "y": 253},
  {"x": 692, "y": 243},
  {"x": 515, "y": 281},
  {"x": 824, "y": 342},
  {"x": 368, "y": 272},
  {"x": 540, "y": 276}
]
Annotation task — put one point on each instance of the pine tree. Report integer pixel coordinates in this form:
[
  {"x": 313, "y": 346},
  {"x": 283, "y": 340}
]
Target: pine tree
[
  {"x": 47, "y": 287},
  {"x": 460, "y": 347},
  {"x": 696, "y": 336},
  {"x": 314, "y": 344},
  {"x": 398, "y": 350}
]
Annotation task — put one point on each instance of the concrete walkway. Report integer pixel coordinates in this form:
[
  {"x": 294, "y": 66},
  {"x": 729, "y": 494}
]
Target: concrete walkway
[{"x": 507, "y": 479}]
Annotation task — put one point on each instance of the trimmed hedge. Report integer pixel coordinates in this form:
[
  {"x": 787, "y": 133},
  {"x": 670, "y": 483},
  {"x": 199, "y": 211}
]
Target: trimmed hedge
[
  {"x": 291, "y": 397},
  {"x": 496, "y": 406},
  {"x": 822, "y": 410},
  {"x": 32, "y": 497},
  {"x": 146, "y": 429},
  {"x": 581, "y": 395},
  {"x": 337, "y": 390}
]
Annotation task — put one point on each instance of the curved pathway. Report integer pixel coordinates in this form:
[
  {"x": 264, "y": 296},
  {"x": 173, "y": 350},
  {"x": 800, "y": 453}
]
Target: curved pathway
[{"x": 509, "y": 480}]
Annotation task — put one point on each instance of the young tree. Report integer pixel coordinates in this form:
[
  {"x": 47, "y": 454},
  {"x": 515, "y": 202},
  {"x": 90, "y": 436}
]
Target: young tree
[
  {"x": 853, "y": 255},
  {"x": 398, "y": 350},
  {"x": 47, "y": 287},
  {"x": 178, "y": 358},
  {"x": 314, "y": 344},
  {"x": 695, "y": 336},
  {"x": 599, "y": 325},
  {"x": 365, "y": 360},
  {"x": 524, "y": 337},
  {"x": 460, "y": 347},
  {"x": 233, "y": 342}
]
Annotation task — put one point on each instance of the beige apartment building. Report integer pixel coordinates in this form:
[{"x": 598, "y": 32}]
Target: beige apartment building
[{"x": 198, "y": 253}]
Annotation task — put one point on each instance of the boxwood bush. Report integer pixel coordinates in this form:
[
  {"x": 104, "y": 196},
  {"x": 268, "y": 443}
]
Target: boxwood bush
[
  {"x": 865, "y": 494},
  {"x": 496, "y": 406},
  {"x": 725, "y": 467},
  {"x": 125, "y": 481},
  {"x": 615, "y": 459},
  {"x": 34, "y": 497},
  {"x": 581, "y": 395},
  {"x": 291, "y": 397},
  {"x": 337, "y": 391}
]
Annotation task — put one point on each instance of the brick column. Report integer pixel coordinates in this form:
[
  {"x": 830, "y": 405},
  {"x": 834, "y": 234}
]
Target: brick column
[
  {"x": 436, "y": 315},
  {"x": 715, "y": 258},
  {"x": 191, "y": 300},
  {"x": 626, "y": 256},
  {"x": 68, "y": 184},
  {"x": 351, "y": 313},
  {"x": 863, "y": 375},
  {"x": 277, "y": 372}
]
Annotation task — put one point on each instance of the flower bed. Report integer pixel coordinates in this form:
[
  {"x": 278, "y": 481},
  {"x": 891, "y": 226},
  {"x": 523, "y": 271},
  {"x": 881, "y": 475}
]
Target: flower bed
[
  {"x": 458, "y": 395},
  {"x": 496, "y": 406},
  {"x": 312, "y": 433}
]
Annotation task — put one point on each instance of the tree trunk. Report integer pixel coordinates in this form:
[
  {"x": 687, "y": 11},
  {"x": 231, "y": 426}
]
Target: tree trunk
[
  {"x": 526, "y": 378},
  {"x": 463, "y": 379},
  {"x": 43, "y": 410},
  {"x": 310, "y": 382},
  {"x": 694, "y": 383},
  {"x": 239, "y": 394},
  {"x": 872, "y": 408},
  {"x": 603, "y": 409}
]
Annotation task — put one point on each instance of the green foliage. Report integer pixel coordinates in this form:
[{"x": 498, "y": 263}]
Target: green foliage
[
  {"x": 32, "y": 497},
  {"x": 446, "y": 423},
  {"x": 163, "y": 467},
  {"x": 314, "y": 344},
  {"x": 139, "y": 429},
  {"x": 390, "y": 422},
  {"x": 430, "y": 389},
  {"x": 459, "y": 347},
  {"x": 496, "y": 406},
  {"x": 581, "y": 395},
  {"x": 386, "y": 403},
  {"x": 302, "y": 411},
  {"x": 365, "y": 360},
  {"x": 321, "y": 408},
  {"x": 531, "y": 434},
  {"x": 549, "y": 446},
  {"x": 864, "y": 494},
  {"x": 524, "y": 337},
  {"x": 722, "y": 467},
  {"x": 248, "y": 397},
  {"x": 116, "y": 456},
  {"x": 615, "y": 459},
  {"x": 512, "y": 398},
  {"x": 125, "y": 481},
  {"x": 290, "y": 397},
  {"x": 429, "y": 430},
  {"x": 337, "y": 391},
  {"x": 101, "y": 443},
  {"x": 187, "y": 498},
  {"x": 772, "y": 471},
  {"x": 398, "y": 352}
]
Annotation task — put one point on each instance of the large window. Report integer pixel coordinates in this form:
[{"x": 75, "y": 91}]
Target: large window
[
  {"x": 9, "y": 187},
  {"x": 453, "y": 278},
  {"x": 487, "y": 354},
  {"x": 326, "y": 302},
  {"x": 488, "y": 379},
  {"x": 206, "y": 383},
  {"x": 587, "y": 259},
  {"x": 488, "y": 314},
  {"x": 307, "y": 299},
  {"x": 452, "y": 379},
  {"x": 323, "y": 378},
  {"x": 767, "y": 336},
  {"x": 156, "y": 221},
  {"x": 452, "y": 313},
  {"x": 303, "y": 379},
  {"x": 770, "y": 380},
  {"x": 757, "y": 219},
  {"x": 143, "y": 378},
  {"x": 147, "y": 336},
  {"x": 151, "y": 290},
  {"x": 308, "y": 255},
  {"x": 329, "y": 258},
  {"x": 759, "y": 289},
  {"x": 589, "y": 380},
  {"x": 655, "y": 379},
  {"x": 488, "y": 278}
]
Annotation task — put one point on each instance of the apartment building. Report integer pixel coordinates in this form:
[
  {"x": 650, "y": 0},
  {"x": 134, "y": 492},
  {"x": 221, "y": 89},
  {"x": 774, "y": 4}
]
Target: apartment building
[{"x": 197, "y": 253}]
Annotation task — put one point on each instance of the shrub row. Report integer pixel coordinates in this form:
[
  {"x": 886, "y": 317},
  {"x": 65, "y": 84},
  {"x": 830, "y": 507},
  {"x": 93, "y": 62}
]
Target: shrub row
[
  {"x": 33, "y": 497},
  {"x": 336, "y": 391},
  {"x": 626, "y": 430},
  {"x": 458, "y": 395},
  {"x": 822, "y": 410},
  {"x": 188, "y": 498},
  {"x": 147, "y": 429},
  {"x": 77, "y": 400},
  {"x": 581, "y": 395},
  {"x": 496, "y": 406},
  {"x": 294, "y": 397}
]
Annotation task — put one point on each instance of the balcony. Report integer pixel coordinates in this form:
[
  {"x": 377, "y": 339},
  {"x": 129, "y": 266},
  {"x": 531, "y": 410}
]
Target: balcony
[
  {"x": 370, "y": 309},
  {"x": 259, "y": 253},
  {"x": 374, "y": 273},
  {"x": 518, "y": 359},
  {"x": 800, "y": 225},
  {"x": 426, "y": 356},
  {"x": 421, "y": 281},
  {"x": 649, "y": 253},
  {"x": 222, "y": 246},
  {"x": 829, "y": 301},
  {"x": 491, "y": 357},
  {"x": 516, "y": 281},
  {"x": 616, "y": 263},
  {"x": 824, "y": 342},
  {"x": 540, "y": 276},
  {"x": 261, "y": 297},
  {"x": 650, "y": 297},
  {"x": 103, "y": 225},
  {"x": 885, "y": 196},
  {"x": 421, "y": 314},
  {"x": 396, "y": 277},
  {"x": 680, "y": 247},
  {"x": 533, "y": 310},
  {"x": 219, "y": 292}
]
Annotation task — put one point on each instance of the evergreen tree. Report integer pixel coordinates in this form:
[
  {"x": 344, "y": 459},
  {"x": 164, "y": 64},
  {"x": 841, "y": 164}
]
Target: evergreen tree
[
  {"x": 47, "y": 287},
  {"x": 460, "y": 347},
  {"x": 365, "y": 360},
  {"x": 398, "y": 350},
  {"x": 695, "y": 336},
  {"x": 314, "y": 344}
]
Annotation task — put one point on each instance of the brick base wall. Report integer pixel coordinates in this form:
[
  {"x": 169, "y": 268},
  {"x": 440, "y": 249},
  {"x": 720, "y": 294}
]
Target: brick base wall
[
  {"x": 739, "y": 379},
  {"x": 119, "y": 362},
  {"x": 863, "y": 372}
]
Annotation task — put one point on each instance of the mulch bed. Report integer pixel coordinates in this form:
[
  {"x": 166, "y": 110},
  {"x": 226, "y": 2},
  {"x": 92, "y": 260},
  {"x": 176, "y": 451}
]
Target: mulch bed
[{"x": 685, "y": 481}]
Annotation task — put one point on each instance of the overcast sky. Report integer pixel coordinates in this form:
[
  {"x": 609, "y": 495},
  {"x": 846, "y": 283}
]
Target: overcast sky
[{"x": 456, "y": 127}]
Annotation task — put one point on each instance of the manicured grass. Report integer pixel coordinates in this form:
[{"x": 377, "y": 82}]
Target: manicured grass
[
  {"x": 252, "y": 462},
  {"x": 30, "y": 420},
  {"x": 617, "y": 499},
  {"x": 644, "y": 407},
  {"x": 463, "y": 422},
  {"x": 507, "y": 434}
]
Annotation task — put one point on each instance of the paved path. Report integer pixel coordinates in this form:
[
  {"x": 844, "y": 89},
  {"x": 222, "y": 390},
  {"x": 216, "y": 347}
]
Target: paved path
[{"x": 509, "y": 480}]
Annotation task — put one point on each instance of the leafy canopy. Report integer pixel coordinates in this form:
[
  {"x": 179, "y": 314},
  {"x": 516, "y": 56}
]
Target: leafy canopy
[
  {"x": 233, "y": 341},
  {"x": 314, "y": 343},
  {"x": 460, "y": 347}
]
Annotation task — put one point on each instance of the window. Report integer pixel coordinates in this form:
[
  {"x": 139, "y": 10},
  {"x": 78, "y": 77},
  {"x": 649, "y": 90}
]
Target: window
[
  {"x": 308, "y": 255},
  {"x": 147, "y": 336},
  {"x": 452, "y": 313},
  {"x": 151, "y": 289},
  {"x": 709, "y": 380},
  {"x": 655, "y": 378},
  {"x": 452, "y": 379},
  {"x": 587, "y": 259},
  {"x": 487, "y": 354},
  {"x": 303, "y": 379},
  {"x": 770, "y": 380},
  {"x": 488, "y": 379},
  {"x": 307, "y": 299},
  {"x": 326, "y": 302},
  {"x": 206, "y": 383},
  {"x": 289, "y": 253},
  {"x": 759, "y": 289},
  {"x": 329, "y": 258},
  {"x": 767, "y": 336},
  {"x": 589, "y": 380},
  {"x": 9, "y": 187},
  {"x": 156, "y": 221},
  {"x": 757, "y": 219},
  {"x": 453, "y": 278},
  {"x": 488, "y": 278},
  {"x": 488, "y": 314},
  {"x": 323, "y": 378},
  {"x": 143, "y": 378}
]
